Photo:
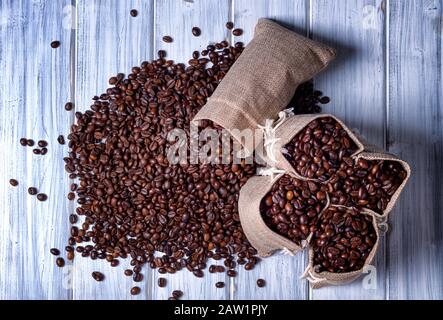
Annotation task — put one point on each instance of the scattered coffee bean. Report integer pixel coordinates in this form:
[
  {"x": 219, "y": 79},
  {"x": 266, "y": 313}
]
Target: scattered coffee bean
[
  {"x": 161, "y": 54},
  {"x": 24, "y": 142},
  {"x": 135, "y": 291},
  {"x": 98, "y": 276},
  {"x": 32, "y": 191},
  {"x": 73, "y": 218},
  {"x": 13, "y": 182},
  {"x": 70, "y": 256},
  {"x": 196, "y": 32},
  {"x": 69, "y": 106},
  {"x": 43, "y": 151},
  {"x": 237, "y": 32},
  {"x": 138, "y": 277},
  {"x": 134, "y": 13},
  {"x": 55, "y": 44},
  {"x": 61, "y": 139},
  {"x": 229, "y": 25},
  {"x": 231, "y": 273},
  {"x": 261, "y": 283},
  {"x": 220, "y": 284},
  {"x": 177, "y": 294},
  {"x": 115, "y": 263},
  {"x": 55, "y": 251},
  {"x": 30, "y": 142},
  {"x": 71, "y": 196},
  {"x": 37, "y": 151},
  {"x": 128, "y": 272},
  {"x": 161, "y": 282},
  {"x": 42, "y": 143},
  {"x": 42, "y": 197},
  {"x": 60, "y": 262},
  {"x": 167, "y": 39}
]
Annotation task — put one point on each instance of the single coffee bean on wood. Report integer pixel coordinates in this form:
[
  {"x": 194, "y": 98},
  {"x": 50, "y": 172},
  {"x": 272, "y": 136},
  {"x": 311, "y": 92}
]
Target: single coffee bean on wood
[
  {"x": 24, "y": 142},
  {"x": 61, "y": 139},
  {"x": 237, "y": 32},
  {"x": 69, "y": 106},
  {"x": 32, "y": 191},
  {"x": 43, "y": 151},
  {"x": 42, "y": 197},
  {"x": 135, "y": 291},
  {"x": 229, "y": 25},
  {"x": 220, "y": 285},
  {"x": 60, "y": 262},
  {"x": 167, "y": 39},
  {"x": 134, "y": 13},
  {"x": 196, "y": 31},
  {"x": 98, "y": 276},
  {"x": 161, "y": 282},
  {"x": 42, "y": 143},
  {"x": 261, "y": 283},
  {"x": 13, "y": 182},
  {"x": 55, "y": 44},
  {"x": 55, "y": 251},
  {"x": 30, "y": 142},
  {"x": 177, "y": 294}
]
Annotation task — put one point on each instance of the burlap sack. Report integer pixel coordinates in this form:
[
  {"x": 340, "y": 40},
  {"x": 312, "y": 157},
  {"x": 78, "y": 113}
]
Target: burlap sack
[
  {"x": 263, "y": 80},
  {"x": 289, "y": 129},
  {"x": 322, "y": 279},
  {"x": 372, "y": 152},
  {"x": 258, "y": 233}
]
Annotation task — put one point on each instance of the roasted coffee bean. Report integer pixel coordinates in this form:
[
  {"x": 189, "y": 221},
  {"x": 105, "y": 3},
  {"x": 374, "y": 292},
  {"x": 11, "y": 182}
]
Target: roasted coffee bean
[
  {"x": 30, "y": 142},
  {"x": 37, "y": 151},
  {"x": 115, "y": 263},
  {"x": 167, "y": 39},
  {"x": 231, "y": 273},
  {"x": 43, "y": 151},
  {"x": 220, "y": 284},
  {"x": 70, "y": 256},
  {"x": 291, "y": 209},
  {"x": 177, "y": 294},
  {"x": 161, "y": 282},
  {"x": 61, "y": 139},
  {"x": 55, "y": 44},
  {"x": 13, "y": 182},
  {"x": 229, "y": 25},
  {"x": 337, "y": 243},
  {"x": 42, "y": 197},
  {"x": 71, "y": 196},
  {"x": 261, "y": 283},
  {"x": 133, "y": 13},
  {"x": 128, "y": 272},
  {"x": 318, "y": 150},
  {"x": 42, "y": 143},
  {"x": 69, "y": 106},
  {"x": 135, "y": 291},
  {"x": 196, "y": 32},
  {"x": 24, "y": 142},
  {"x": 198, "y": 273},
  {"x": 55, "y": 251},
  {"x": 161, "y": 54},
  {"x": 60, "y": 262},
  {"x": 73, "y": 218},
  {"x": 98, "y": 276},
  {"x": 138, "y": 277},
  {"x": 237, "y": 32}
]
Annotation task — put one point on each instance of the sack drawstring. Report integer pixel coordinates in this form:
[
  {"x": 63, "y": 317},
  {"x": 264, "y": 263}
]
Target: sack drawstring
[
  {"x": 311, "y": 277},
  {"x": 286, "y": 252}
]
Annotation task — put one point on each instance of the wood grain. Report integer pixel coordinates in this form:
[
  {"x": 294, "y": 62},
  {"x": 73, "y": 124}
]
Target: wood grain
[
  {"x": 34, "y": 85},
  {"x": 281, "y": 273},
  {"x": 176, "y": 19},
  {"x": 356, "y": 84},
  {"x": 415, "y": 133},
  {"x": 108, "y": 41}
]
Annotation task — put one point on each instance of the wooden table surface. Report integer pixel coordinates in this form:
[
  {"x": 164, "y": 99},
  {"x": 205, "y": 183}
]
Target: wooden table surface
[{"x": 386, "y": 82}]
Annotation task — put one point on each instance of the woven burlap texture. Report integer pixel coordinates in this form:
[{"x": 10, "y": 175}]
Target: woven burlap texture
[{"x": 264, "y": 78}]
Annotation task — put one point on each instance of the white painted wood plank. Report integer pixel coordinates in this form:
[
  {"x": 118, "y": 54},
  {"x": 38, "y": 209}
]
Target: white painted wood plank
[
  {"x": 415, "y": 132},
  {"x": 356, "y": 84},
  {"x": 109, "y": 41},
  {"x": 280, "y": 272},
  {"x": 176, "y": 19},
  {"x": 34, "y": 84}
]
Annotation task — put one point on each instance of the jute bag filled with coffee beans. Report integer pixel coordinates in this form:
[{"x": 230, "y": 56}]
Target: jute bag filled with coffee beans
[
  {"x": 342, "y": 248},
  {"x": 264, "y": 78}
]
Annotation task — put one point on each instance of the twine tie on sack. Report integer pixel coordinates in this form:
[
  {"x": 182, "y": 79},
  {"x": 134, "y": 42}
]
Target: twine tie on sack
[
  {"x": 311, "y": 277},
  {"x": 383, "y": 226},
  {"x": 270, "y": 140}
]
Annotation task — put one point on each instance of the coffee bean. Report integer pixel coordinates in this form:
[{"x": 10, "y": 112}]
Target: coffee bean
[
  {"x": 325, "y": 100},
  {"x": 138, "y": 277},
  {"x": 98, "y": 276},
  {"x": 42, "y": 143},
  {"x": 135, "y": 291},
  {"x": 161, "y": 54},
  {"x": 229, "y": 25},
  {"x": 61, "y": 139},
  {"x": 55, "y": 251},
  {"x": 177, "y": 294},
  {"x": 220, "y": 285},
  {"x": 73, "y": 218},
  {"x": 24, "y": 142},
  {"x": 60, "y": 262},
  {"x": 237, "y": 32},
  {"x": 71, "y": 196},
  {"x": 167, "y": 39},
  {"x": 70, "y": 256},
  {"x": 42, "y": 197},
  {"x": 231, "y": 273},
  {"x": 30, "y": 142},
  {"x": 37, "y": 151},
  {"x": 161, "y": 282},
  {"x": 261, "y": 283},
  {"x": 13, "y": 182},
  {"x": 43, "y": 151},
  {"x": 196, "y": 31},
  {"x": 128, "y": 272},
  {"x": 115, "y": 263},
  {"x": 134, "y": 13},
  {"x": 55, "y": 44},
  {"x": 69, "y": 106}
]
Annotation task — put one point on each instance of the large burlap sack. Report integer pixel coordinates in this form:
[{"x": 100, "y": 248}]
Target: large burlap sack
[
  {"x": 322, "y": 279},
  {"x": 264, "y": 78}
]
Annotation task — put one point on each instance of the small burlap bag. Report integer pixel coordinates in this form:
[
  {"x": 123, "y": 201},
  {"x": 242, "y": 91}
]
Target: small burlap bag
[
  {"x": 372, "y": 152},
  {"x": 287, "y": 131},
  {"x": 264, "y": 78},
  {"x": 323, "y": 279},
  {"x": 261, "y": 237}
]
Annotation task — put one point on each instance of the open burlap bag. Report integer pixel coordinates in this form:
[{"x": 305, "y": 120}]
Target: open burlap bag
[
  {"x": 288, "y": 130},
  {"x": 258, "y": 233},
  {"x": 323, "y": 279},
  {"x": 372, "y": 152},
  {"x": 264, "y": 78}
]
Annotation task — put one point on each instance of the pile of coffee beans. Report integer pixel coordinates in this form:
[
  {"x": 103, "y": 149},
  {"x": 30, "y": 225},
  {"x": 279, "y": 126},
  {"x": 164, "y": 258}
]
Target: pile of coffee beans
[
  {"x": 366, "y": 183},
  {"x": 317, "y": 151},
  {"x": 292, "y": 208},
  {"x": 343, "y": 240}
]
